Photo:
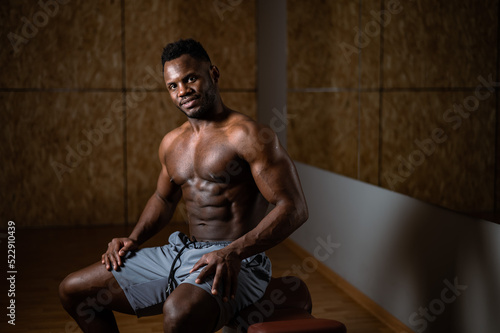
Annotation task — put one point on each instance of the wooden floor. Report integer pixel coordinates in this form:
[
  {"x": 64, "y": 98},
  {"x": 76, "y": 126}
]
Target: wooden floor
[{"x": 45, "y": 257}]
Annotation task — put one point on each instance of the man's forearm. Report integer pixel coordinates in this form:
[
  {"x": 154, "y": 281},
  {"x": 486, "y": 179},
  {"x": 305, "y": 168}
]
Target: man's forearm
[{"x": 155, "y": 216}]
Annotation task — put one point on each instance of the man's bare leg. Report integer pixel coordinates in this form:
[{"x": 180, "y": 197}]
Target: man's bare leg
[
  {"x": 90, "y": 295},
  {"x": 190, "y": 309}
]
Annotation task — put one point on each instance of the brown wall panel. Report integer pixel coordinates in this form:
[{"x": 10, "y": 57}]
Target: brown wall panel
[
  {"x": 440, "y": 43},
  {"x": 72, "y": 45},
  {"x": 369, "y": 137},
  {"x": 409, "y": 62},
  {"x": 316, "y": 29},
  {"x": 323, "y": 130},
  {"x": 62, "y": 159},
  {"x": 437, "y": 155}
]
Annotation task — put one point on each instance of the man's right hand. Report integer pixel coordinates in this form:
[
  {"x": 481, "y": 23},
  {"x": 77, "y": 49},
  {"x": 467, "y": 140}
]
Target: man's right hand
[{"x": 117, "y": 248}]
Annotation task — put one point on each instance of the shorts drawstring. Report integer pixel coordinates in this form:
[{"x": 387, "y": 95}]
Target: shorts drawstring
[{"x": 171, "y": 283}]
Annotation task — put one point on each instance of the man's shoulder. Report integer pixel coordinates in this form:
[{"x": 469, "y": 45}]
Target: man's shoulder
[
  {"x": 247, "y": 134},
  {"x": 174, "y": 134},
  {"x": 241, "y": 124}
]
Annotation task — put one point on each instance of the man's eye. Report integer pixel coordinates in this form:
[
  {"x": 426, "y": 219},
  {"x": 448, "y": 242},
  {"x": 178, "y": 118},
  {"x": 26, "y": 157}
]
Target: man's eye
[
  {"x": 192, "y": 79},
  {"x": 171, "y": 87}
]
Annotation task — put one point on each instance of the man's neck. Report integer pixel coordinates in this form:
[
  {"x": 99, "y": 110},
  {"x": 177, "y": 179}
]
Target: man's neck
[{"x": 219, "y": 114}]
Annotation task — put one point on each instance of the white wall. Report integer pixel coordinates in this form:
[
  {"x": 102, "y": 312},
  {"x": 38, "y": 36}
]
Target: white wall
[{"x": 400, "y": 251}]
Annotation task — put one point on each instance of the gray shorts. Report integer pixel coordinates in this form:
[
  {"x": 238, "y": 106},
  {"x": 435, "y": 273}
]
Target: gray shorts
[{"x": 144, "y": 276}]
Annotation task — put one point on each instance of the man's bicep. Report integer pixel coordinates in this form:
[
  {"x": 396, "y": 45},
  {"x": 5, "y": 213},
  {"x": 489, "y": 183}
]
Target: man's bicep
[
  {"x": 276, "y": 176},
  {"x": 272, "y": 168}
]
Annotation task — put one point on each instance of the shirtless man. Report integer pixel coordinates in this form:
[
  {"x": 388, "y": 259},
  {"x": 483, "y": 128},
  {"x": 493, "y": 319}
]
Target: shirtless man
[{"x": 228, "y": 168}]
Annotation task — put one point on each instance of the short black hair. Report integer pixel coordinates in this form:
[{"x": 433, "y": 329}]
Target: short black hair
[{"x": 184, "y": 46}]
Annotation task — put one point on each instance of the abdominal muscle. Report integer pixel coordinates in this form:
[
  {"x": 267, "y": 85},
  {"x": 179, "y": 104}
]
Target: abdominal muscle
[{"x": 221, "y": 212}]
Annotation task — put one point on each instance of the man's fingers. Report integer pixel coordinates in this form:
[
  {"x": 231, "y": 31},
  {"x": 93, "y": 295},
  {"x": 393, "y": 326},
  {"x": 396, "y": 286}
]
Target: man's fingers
[
  {"x": 118, "y": 261},
  {"x": 127, "y": 246},
  {"x": 203, "y": 274},
  {"x": 106, "y": 261},
  {"x": 225, "y": 273},
  {"x": 197, "y": 266},
  {"x": 230, "y": 286},
  {"x": 117, "y": 248},
  {"x": 215, "y": 284},
  {"x": 111, "y": 260},
  {"x": 123, "y": 251}
]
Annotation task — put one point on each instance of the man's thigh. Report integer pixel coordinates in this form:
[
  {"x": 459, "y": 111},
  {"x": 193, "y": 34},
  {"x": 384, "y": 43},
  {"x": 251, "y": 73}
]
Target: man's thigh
[{"x": 96, "y": 288}]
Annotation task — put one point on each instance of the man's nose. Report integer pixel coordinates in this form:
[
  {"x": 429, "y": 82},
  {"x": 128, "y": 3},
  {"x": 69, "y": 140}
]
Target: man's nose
[{"x": 184, "y": 90}]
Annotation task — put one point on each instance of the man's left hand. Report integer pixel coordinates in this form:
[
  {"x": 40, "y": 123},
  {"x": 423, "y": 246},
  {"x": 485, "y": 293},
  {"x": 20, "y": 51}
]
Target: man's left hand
[{"x": 225, "y": 266}]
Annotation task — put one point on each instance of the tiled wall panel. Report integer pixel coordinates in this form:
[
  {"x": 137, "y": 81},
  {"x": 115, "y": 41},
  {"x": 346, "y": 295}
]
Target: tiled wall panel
[
  {"x": 323, "y": 46},
  {"x": 316, "y": 31},
  {"x": 323, "y": 130},
  {"x": 437, "y": 155},
  {"x": 404, "y": 64},
  {"x": 369, "y": 137},
  {"x": 71, "y": 45},
  {"x": 62, "y": 158},
  {"x": 440, "y": 43},
  {"x": 367, "y": 33}
]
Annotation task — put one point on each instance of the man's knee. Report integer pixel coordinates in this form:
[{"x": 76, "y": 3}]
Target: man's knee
[
  {"x": 68, "y": 287},
  {"x": 190, "y": 309},
  {"x": 176, "y": 313},
  {"x": 84, "y": 283}
]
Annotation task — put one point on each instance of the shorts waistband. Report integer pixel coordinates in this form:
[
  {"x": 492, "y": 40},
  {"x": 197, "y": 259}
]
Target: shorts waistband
[
  {"x": 182, "y": 239},
  {"x": 199, "y": 244}
]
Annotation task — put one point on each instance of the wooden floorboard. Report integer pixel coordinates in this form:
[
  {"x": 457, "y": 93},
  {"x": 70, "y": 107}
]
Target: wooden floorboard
[{"x": 44, "y": 257}]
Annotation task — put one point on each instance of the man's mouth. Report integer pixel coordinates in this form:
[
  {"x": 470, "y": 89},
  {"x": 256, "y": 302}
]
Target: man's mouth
[{"x": 189, "y": 102}]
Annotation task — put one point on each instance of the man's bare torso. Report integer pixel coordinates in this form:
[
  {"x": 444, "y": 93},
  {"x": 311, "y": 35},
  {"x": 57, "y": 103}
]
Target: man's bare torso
[{"x": 221, "y": 197}]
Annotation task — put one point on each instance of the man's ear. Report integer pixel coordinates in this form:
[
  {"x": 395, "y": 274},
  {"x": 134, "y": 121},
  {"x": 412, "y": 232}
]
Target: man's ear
[{"x": 214, "y": 72}]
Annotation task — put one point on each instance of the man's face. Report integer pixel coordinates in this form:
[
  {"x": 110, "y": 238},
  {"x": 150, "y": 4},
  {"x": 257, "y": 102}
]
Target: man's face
[{"x": 192, "y": 85}]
